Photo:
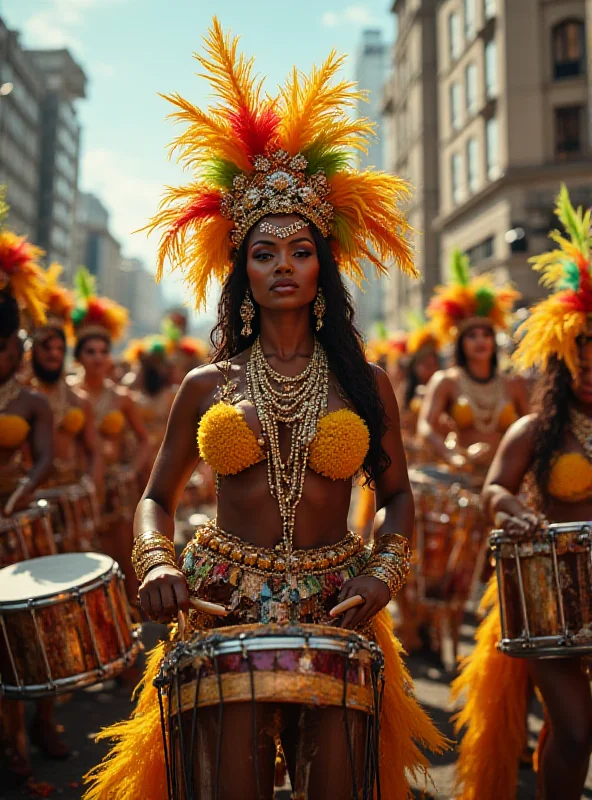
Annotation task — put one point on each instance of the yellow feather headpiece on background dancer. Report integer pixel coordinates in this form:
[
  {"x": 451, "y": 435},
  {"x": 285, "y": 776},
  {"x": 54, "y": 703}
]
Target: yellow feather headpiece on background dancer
[
  {"x": 59, "y": 304},
  {"x": 255, "y": 155},
  {"x": 554, "y": 324},
  {"x": 93, "y": 313},
  {"x": 20, "y": 271},
  {"x": 468, "y": 301}
]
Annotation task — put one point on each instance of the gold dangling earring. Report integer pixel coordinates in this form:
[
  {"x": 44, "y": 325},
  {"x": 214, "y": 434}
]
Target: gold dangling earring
[
  {"x": 319, "y": 308},
  {"x": 247, "y": 312}
]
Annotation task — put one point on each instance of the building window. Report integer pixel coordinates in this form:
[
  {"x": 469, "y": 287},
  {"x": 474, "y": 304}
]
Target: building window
[
  {"x": 568, "y": 132},
  {"x": 471, "y": 89},
  {"x": 469, "y": 9},
  {"x": 491, "y": 69},
  {"x": 568, "y": 49},
  {"x": 489, "y": 8},
  {"x": 481, "y": 251},
  {"x": 492, "y": 149},
  {"x": 454, "y": 43},
  {"x": 472, "y": 165},
  {"x": 455, "y": 106},
  {"x": 456, "y": 178}
]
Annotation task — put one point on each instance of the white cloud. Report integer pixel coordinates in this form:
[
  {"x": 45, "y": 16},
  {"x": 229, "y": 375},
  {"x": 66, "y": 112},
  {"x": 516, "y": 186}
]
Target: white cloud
[
  {"x": 129, "y": 197},
  {"x": 56, "y": 25},
  {"x": 358, "y": 15}
]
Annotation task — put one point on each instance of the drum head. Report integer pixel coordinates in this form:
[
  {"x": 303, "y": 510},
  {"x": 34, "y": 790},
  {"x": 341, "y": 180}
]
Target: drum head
[{"x": 50, "y": 575}]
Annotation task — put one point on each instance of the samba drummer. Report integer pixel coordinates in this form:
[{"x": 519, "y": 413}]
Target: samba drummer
[
  {"x": 481, "y": 402},
  {"x": 25, "y": 422},
  {"x": 98, "y": 322},
  {"x": 76, "y": 449},
  {"x": 549, "y": 453},
  {"x": 289, "y": 377}
]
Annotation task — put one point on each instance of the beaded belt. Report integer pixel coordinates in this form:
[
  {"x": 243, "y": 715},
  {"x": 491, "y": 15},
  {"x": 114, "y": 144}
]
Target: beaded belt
[{"x": 315, "y": 561}]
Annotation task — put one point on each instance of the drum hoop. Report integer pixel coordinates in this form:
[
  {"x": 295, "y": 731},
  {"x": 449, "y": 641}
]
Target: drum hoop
[
  {"x": 73, "y": 593},
  {"x": 27, "y": 515},
  {"x": 554, "y": 529}
]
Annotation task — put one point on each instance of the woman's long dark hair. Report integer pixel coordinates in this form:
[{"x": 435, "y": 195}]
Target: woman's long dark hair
[
  {"x": 551, "y": 402},
  {"x": 339, "y": 337},
  {"x": 460, "y": 357},
  {"x": 9, "y": 315}
]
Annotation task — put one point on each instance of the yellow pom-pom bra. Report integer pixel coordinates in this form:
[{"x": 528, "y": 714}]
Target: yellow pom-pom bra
[
  {"x": 13, "y": 431},
  {"x": 73, "y": 420},
  {"x": 229, "y": 446},
  {"x": 112, "y": 423}
]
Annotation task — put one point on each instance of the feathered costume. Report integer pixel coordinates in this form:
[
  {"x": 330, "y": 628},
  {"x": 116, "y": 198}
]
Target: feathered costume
[
  {"x": 257, "y": 156},
  {"x": 468, "y": 301},
  {"x": 495, "y": 685},
  {"x": 59, "y": 302},
  {"x": 94, "y": 314},
  {"x": 554, "y": 324}
]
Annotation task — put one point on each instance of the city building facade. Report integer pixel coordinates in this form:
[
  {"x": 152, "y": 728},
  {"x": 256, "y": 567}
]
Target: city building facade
[
  {"x": 514, "y": 123},
  {"x": 95, "y": 246},
  {"x": 371, "y": 72},
  {"x": 21, "y": 99},
  {"x": 60, "y": 154},
  {"x": 411, "y": 131}
]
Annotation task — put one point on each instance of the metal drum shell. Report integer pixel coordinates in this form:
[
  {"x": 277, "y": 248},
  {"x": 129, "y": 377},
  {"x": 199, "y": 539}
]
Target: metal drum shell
[
  {"x": 546, "y": 601},
  {"x": 27, "y": 534},
  {"x": 63, "y": 641}
]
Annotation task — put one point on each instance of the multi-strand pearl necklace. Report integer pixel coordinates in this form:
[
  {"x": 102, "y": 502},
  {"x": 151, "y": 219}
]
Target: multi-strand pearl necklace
[
  {"x": 487, "y": 400},
  {"x": 297, "y": 402}
]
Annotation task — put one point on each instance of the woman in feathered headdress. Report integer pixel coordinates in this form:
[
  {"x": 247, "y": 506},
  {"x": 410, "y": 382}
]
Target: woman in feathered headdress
[
  {"x": 543, "y": 468},
  {"x": 98, "y": 323},
  {"x": 288, "y": 412},
  {"x": 25, "y": 424},
  {"x": 481, "y": 402}
]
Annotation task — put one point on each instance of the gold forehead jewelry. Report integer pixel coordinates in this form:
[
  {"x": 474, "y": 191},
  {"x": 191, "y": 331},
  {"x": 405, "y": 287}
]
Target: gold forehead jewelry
[{"x": 282, "y": 232}]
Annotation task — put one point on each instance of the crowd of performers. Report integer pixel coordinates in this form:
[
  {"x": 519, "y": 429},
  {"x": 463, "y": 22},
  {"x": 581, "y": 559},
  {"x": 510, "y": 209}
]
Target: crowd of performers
[{"x": 281, "y": 657}]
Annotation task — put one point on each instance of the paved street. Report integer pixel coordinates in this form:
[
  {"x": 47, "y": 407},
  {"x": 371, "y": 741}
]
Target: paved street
[{"x": 91, "y": 710}]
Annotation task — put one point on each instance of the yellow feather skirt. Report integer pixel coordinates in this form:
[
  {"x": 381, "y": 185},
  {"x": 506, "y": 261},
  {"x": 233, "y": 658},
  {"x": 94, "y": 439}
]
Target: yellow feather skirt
[
  {"x": 494, "y": 687},
  {"x": 137, "y": 742}
]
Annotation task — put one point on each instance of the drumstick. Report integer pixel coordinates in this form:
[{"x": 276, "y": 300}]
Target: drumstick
[
  {"x": 208, "y": 608},
  {"x": 345, "y": 605}
]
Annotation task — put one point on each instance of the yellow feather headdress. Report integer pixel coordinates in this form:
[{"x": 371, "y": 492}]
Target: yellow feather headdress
[
  {"x": 255, "y": 155},
  {"x": 20, "y": 271},
  {"x": 466, "y": 301},
  {"x": 554, "y": 324},
  {"x": 59, "y": 304}
]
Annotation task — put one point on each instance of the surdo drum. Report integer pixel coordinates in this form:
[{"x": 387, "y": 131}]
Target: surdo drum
[
  {"x": 544, "y": 585},
  {"x": 310, "y": 665},
  {"x": 64, "y": 624}
]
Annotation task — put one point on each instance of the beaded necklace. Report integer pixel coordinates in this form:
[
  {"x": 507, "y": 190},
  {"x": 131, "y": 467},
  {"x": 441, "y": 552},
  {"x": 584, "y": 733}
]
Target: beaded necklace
[
  {"x": 297, "y": 402},
  {"x": 9, "y": 392},
  {"x": 56, "y": 397},
  {"x": 487, "y": 400},
  {"x": 581, "y": 426}
]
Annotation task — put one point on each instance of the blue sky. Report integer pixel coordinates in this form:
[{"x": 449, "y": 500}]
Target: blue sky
[{"x": 132, "y": 49}]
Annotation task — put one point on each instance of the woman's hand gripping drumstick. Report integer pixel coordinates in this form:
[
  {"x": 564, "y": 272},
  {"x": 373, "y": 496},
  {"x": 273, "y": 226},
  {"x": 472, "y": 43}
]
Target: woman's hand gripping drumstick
[
  {"x": 360, "y": 599},
  {"x": 165, "y": 592}
]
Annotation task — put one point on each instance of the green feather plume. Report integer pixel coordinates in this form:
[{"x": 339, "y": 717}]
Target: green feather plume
[
  {"x": 84, "y": 283},
  {"x": 484, "y": 301},
  {"x": 221, "y": 173},
  {"x": 571, "y": 276},
  {"x": 4, "y": 207},
  {"x": 576, "y": 223},
  {"x": 169, "y": 330},
  {"x": 459, "y": 267},
  {"x": 327, "y": 160}
]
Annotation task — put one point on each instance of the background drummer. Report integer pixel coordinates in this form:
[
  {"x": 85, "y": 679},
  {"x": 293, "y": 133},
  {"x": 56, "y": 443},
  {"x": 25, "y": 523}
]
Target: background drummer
[
  {"x": 25, "y": 420},
  {"x": 548, "y": 456},
  {"x": 98, "y": 322},
  {"x": 481, "y": 402},
  {"x": 75, "y": 441}
]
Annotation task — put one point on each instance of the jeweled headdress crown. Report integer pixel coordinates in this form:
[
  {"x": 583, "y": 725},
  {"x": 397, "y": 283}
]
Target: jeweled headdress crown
[{"x": 256, "y": 155}]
